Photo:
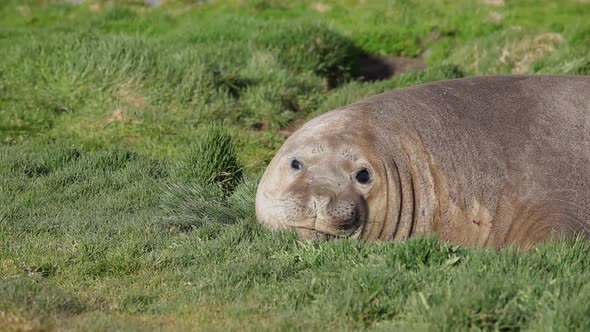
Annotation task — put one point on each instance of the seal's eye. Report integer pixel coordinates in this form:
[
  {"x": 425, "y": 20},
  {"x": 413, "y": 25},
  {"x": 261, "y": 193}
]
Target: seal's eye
[
  {"x": 363, "y": 176},
  {"x": 295, "y": 164}
]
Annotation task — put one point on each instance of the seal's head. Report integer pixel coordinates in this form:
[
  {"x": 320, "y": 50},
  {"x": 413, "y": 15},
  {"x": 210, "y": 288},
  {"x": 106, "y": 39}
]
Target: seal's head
[{"x": 326, "y": 181}]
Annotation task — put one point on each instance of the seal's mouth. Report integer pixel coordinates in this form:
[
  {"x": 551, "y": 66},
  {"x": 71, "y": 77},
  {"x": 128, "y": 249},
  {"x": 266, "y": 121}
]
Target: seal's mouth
[
  {"x": 322, "y": 225},
  {"x": 314, "y": 234}
]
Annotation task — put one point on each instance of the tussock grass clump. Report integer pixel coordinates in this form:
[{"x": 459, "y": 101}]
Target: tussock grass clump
[
  {"x": 211, "y": 160},
  {"x": 205, "y": 182},
  {"x": 191, "y": 205}
]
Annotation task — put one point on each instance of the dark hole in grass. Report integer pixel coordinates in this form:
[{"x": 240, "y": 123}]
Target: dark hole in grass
[
  {"x": 371, "y": 67},
  {"x": 230, "y": 83},
  {"x": 61, "y": 109},
  {"x": 44, "y": 270},
  {"x": 289, "y": 102}
]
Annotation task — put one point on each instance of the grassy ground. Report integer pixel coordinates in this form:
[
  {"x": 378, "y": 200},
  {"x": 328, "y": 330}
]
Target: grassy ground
[{"x": 132, "y": 138}]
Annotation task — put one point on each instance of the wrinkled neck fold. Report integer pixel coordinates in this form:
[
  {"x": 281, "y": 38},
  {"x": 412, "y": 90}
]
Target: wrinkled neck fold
[{"x": 413, "y": 208}]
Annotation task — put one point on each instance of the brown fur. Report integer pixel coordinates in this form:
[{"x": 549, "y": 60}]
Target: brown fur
[{"x": 486, "y": 161}]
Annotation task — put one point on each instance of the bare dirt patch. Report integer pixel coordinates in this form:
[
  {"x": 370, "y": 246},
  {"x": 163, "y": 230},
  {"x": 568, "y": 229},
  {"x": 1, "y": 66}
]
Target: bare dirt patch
[
  {"x": 495, "y": 3},
  {"x": 131, "y": 97},
  {"x": 495, "y": 17},
  {"x": 10, "y": 321},
  {"x": 116, "y": 116},
  {"x": 320, "y": 7}
]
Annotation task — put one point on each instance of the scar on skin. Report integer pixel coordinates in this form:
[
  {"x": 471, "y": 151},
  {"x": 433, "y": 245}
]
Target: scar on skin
[
  {"x": 318, "y": 149},
  {"x": 347, "y": 153}
]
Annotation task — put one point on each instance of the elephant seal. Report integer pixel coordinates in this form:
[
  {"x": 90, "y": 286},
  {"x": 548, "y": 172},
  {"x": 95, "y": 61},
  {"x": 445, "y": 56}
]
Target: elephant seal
[{"x": 483, "y": 161}]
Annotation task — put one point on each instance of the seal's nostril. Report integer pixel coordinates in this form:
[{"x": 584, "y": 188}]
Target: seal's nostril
[{"x": 323, "y": 200}]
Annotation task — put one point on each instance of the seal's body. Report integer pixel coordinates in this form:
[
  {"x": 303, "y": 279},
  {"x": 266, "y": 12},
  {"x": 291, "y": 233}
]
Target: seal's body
[{"x": 486, "y": 161}]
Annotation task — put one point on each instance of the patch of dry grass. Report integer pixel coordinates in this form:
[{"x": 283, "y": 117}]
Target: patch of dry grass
[{"x": 521, "y": 53}]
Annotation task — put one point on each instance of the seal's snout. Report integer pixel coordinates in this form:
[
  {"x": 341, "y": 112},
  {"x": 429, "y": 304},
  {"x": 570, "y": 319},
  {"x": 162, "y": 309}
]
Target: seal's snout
[
  {"x": 336, "y": 213},
  {"x": 322, "y": 197}
]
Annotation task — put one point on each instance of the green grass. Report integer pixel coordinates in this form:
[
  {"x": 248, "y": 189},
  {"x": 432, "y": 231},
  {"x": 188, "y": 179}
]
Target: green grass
[{"x": 132, "y": 139}]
